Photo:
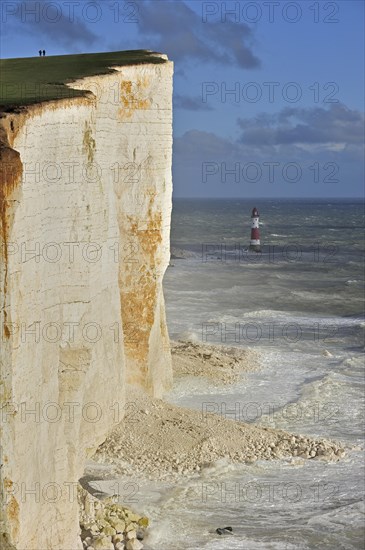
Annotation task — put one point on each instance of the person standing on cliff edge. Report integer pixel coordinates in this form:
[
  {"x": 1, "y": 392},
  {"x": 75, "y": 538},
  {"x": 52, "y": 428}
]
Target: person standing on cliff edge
[
  {"x": 40, "y": 53},
  {"x": 44, "y": 53}
]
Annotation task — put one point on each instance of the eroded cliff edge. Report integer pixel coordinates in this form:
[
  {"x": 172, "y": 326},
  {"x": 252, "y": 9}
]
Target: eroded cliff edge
[{"x": 85, "y": 197}]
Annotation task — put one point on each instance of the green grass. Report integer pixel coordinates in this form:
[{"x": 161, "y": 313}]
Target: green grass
[{"x": 35, "y": 79}]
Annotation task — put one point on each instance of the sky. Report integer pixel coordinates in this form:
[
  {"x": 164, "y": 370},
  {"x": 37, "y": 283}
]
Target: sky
[{"x": 268, "y": 95}]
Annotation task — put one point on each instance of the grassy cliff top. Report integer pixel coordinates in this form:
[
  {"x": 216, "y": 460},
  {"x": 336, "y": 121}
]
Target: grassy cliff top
[{"x": 30, "y": 80}]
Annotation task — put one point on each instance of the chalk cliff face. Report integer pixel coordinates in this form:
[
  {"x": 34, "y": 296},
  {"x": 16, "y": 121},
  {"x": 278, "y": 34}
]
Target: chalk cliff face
[{"x": 85, "y": 197}]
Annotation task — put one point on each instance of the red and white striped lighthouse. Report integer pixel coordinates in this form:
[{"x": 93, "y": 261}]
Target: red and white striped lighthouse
[{"x": 255, "y": 232}]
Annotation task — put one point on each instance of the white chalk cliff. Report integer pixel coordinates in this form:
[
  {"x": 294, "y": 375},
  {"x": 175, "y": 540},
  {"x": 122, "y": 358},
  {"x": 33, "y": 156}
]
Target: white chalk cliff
[{"x": 85, "y": 197}]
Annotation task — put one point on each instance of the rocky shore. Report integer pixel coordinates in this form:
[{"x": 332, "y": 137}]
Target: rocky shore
[
  {"x": 221, "y": 365},
  {"x": 160, "y": 441},
  {"x": 106, "y": 525}
]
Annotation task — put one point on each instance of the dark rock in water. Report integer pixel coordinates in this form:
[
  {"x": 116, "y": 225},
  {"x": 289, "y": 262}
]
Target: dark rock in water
[{"x": 224, "y": 531}]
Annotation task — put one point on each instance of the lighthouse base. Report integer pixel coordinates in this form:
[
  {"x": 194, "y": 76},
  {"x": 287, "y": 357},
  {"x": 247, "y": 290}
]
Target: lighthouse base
[{"x": 255, "y": 247}]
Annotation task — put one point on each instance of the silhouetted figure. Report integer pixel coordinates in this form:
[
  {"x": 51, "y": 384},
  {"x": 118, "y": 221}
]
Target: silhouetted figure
[
  {"x": 40, "y": 53},
  {"x": 44, "y": 53}
]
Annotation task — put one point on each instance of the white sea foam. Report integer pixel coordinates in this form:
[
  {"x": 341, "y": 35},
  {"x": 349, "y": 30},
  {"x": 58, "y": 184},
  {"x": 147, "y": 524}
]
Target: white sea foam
[{"x": 354, "y": 282}]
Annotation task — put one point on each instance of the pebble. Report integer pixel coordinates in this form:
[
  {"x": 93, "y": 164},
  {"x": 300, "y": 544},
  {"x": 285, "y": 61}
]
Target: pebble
[
  {"x": 134, "y": 545},
  {"x": 104, "y": 543}
]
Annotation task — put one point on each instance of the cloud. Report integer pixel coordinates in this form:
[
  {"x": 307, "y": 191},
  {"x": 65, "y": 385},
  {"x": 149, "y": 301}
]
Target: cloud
[
  {"x": 337, "y": 125},
  {"x": 190, "y": 103},
  {"x": 324, "y": 146},
  {"x": 174, "y": 28},
  {"x": 54, "y": 25}
]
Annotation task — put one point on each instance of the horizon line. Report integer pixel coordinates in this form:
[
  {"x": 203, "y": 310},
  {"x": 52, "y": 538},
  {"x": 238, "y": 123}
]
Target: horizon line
[{"x": 274, "y": 198}]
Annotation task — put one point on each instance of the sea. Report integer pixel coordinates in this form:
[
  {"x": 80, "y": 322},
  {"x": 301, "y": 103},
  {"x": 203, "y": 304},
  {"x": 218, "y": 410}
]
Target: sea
[{"x": 299, "y": 304}]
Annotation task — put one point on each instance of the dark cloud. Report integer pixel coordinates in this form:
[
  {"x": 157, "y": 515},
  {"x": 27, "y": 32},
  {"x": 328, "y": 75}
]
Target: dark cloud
[
  {"x": 190, "y": 103},
  {"x": 338, "y": 125},
  {"x": 198, "y": 153},
  {"x": 58, "y": 27},
  {"x": 236, "y": 39},
  {"x": 177, "y": 30}
]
